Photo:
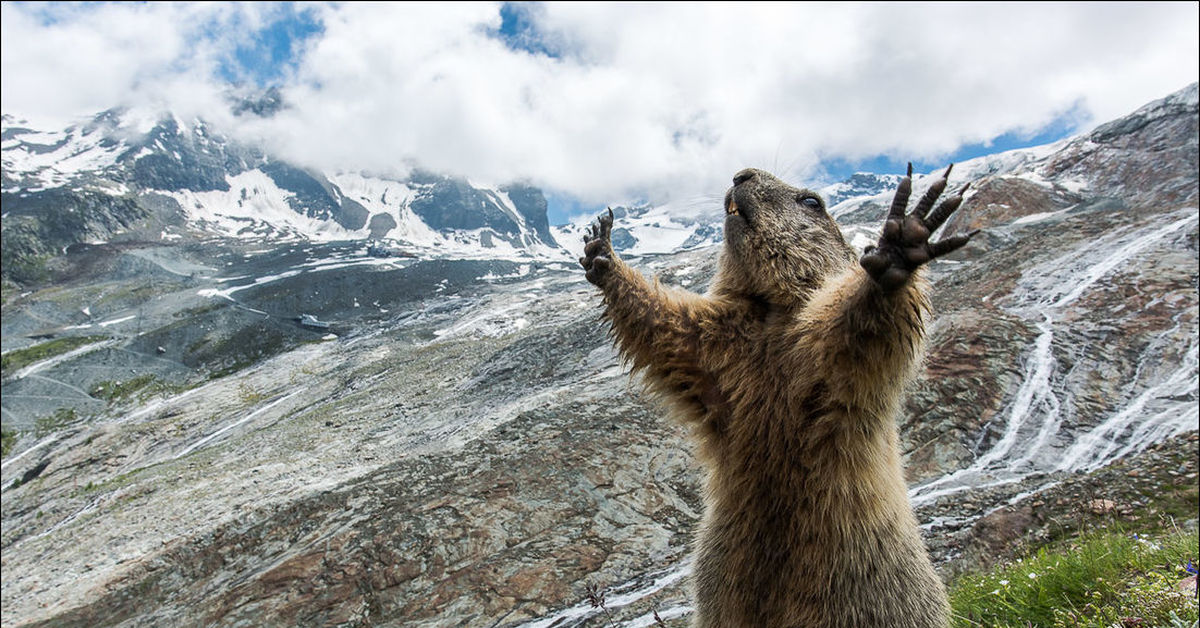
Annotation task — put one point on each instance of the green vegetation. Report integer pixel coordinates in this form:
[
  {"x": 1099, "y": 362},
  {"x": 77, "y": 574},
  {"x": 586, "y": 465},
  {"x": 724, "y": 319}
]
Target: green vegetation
[
  {"x": 8, "y": 438},
  {"x": 28, "y": 269},
  {"x": 1098, "y": 580},
  {"x": 9, "y": 290},
  {"x": 61, "y": 418},
  {"x": 249, "y": 395},
  {"x": 224, "y": 355},
  {"x": 142, "y": 386},
  {"x": 20, "y": 358}
]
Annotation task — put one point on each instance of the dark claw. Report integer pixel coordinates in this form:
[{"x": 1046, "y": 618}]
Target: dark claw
[
  {"x": 904, "y": 245},
  {"x": 943, "y": 212},
  {"x": 952, "y": 243},
  {"x": 931, "y": 195},
  {"x": 900, "y": 201}
]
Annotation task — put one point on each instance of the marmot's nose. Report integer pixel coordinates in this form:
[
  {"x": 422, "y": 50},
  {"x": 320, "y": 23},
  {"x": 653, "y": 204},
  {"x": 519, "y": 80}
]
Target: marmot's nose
[{"x": 744, "y": 176}]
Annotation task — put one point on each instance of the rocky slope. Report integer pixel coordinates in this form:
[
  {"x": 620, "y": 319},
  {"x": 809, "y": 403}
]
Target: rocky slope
[{"x": 464, "y": 449}]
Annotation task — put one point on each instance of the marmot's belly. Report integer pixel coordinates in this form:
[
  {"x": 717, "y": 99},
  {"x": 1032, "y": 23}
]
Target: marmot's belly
[{"x": 795, "y": 576}]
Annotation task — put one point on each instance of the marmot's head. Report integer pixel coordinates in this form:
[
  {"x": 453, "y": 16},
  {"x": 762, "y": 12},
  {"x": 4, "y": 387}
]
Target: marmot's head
[{"x": 779, "y": 240}]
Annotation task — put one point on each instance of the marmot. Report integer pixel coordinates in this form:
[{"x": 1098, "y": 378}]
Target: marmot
[{"x": 790, "y": 372}]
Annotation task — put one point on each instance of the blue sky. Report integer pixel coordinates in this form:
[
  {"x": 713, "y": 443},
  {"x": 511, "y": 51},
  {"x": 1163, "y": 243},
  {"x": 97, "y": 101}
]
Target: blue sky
[
  {"x": 611, "y": 103},
  {"x": 274, "y": 51}
]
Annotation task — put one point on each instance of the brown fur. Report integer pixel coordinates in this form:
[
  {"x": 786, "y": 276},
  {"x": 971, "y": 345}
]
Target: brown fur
[{"x": 790, "y": 372}]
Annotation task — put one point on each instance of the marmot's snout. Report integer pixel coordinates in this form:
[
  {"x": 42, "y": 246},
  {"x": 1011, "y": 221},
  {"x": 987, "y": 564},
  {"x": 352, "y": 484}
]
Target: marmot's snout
[
  {"x": 744, "y": 176},
  {"x": 752, "y": 191}
]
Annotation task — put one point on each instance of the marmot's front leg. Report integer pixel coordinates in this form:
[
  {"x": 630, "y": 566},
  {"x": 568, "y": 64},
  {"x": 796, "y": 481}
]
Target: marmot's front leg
[
  {"x": 657, "y": 329},
  {"x": 646, "y": 318},
  {"x": 904, "y": 245},
  {"x": 865, "y": 328}
]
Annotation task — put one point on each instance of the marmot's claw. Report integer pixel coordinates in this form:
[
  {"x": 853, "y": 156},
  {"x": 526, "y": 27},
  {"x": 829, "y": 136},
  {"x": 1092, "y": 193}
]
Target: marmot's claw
[
  {"x": 597, "y": 249},
  {"x": 944, "y": 210},
  {"x": 900, "y": 200},
  {"x": 904, "y": 244},
  {"x": 952, "y": 243},
  {"x": 931, "y": 195}
]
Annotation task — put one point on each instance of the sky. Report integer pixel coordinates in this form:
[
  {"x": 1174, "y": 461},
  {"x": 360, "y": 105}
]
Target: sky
[{"x": 610, "y": 103}]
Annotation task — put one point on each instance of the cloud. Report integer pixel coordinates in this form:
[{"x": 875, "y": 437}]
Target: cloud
[
  {"x": 639, "y": 100},
  {"x": 64, "y": 61}
]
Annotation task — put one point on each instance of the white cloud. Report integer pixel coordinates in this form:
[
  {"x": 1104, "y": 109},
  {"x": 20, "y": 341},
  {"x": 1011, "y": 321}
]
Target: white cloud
[
  {"x": 57, "y": 70},
  {"x": 64, "y": 61},
  {"x": 649, "y": 100}
]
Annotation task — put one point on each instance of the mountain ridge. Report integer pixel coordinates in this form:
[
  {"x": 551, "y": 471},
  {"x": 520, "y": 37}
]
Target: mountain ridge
[{"x": 205, "y": 183}]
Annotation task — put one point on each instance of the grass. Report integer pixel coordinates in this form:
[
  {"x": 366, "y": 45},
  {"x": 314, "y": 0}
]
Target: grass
[
  {"x": 61, "y": 418},
  {"x": 139, "y": 388},
  {"x": 250, "y": 395},
  {"x": 1101, "y": 579},
  {"x": 8, "y": 438},
  {"x": 20, "y": 358}
]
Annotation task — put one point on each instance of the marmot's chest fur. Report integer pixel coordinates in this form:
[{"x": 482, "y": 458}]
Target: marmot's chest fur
[{"x": 790, "y": 372}]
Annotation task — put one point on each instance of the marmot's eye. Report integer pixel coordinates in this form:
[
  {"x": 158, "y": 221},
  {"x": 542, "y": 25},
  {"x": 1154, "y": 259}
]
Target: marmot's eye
[{"x": 810, "y": 202}]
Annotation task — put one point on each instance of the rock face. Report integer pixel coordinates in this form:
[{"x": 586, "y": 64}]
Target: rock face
[
  {"x": 39, "y": 225},
  {"x": 515, "y": 213},
  {"x": 468, "y": 451},
  {"x": 313, "y": 196},
  {"x": 173, "y": 157},
  {"x": 530, "y": 203}
]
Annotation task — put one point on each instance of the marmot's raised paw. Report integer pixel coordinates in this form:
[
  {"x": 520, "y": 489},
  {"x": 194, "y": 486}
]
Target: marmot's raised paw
[
  {"x": 904, "y": 244},
  {"x": 598, "y": 253}
]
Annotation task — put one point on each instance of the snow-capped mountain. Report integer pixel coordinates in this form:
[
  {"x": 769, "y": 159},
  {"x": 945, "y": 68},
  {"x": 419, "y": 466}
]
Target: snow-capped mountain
[
  {"x": 652, "y": 229},
  {"x": 134, "y": 174},
  {"x": 859, "y": 184}
]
